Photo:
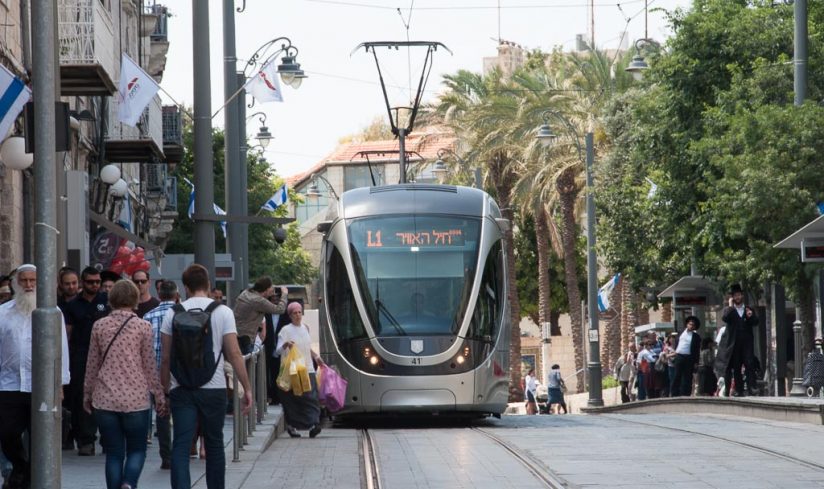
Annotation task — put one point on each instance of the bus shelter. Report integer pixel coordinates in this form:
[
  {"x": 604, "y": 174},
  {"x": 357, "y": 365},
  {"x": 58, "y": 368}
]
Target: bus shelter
[{"x": 694, "y": 295}]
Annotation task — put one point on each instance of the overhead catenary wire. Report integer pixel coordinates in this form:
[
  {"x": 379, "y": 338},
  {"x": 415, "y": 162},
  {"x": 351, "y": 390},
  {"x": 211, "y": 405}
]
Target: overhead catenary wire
[{"x": 474, "y": 7}]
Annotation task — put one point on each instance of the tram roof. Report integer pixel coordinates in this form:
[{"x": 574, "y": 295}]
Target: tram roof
[{"x": 413, "y": 197}]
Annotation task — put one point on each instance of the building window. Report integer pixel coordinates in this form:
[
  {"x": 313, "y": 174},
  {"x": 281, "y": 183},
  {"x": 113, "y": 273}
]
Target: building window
[
  {"x": 358, "y": 176},
  {"x": 307, "y": 209}
]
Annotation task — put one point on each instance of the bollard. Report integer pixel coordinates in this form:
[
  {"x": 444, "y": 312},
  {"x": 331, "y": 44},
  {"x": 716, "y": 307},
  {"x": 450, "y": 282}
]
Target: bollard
[
  {"x": 261, "y": 387},
  {"x": 235, "y": 421},
  {"x": 251, "y": 370},
  {"x": 798, "y": 375}
]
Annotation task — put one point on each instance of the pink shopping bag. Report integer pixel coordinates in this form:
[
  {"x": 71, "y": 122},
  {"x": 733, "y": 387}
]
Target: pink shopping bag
[{"x": 332, "y": 389}]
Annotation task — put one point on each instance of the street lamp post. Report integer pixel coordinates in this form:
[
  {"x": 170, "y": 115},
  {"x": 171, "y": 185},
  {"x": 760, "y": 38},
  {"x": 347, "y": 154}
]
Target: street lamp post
[
  {"x": 313, "y": 192},
  {"x": 546, "y": 137},
  {"x": 203, "y": 159},
  {"x": 236, "y": 178}
]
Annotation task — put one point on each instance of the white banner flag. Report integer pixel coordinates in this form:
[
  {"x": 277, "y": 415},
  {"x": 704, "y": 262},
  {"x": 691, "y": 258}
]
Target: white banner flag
[
  {"x": 136, "y": 90},
  {"x": 265, "y": 86}
]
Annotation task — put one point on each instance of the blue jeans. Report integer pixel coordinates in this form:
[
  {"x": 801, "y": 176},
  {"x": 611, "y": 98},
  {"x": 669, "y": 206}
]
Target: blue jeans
[
  {"x": 189, "y": 405},
  {"x": 123, "y": 436}
]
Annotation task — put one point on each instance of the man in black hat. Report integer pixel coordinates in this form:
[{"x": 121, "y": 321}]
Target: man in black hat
[
  {"x": 687, "y": 353},
  {"x": 736, "y": 346}
]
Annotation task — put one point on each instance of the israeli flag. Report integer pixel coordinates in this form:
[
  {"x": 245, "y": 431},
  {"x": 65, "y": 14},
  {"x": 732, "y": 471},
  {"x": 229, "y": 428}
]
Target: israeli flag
[
  {"x": 281, "y": 197},
  {"x": 605, "y": 291},
  {"x": 218, "y": 210},
  {"x": 13, "y": 97}
]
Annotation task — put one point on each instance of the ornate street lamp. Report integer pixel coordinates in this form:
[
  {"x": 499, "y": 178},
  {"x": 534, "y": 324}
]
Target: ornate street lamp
[
  {"x": 313, "y": 192},
  {"x": 263, "y": 136}
]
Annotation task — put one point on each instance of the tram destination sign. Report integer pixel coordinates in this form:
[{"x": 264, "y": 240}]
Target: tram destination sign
[{"x": 432, "y": 238}]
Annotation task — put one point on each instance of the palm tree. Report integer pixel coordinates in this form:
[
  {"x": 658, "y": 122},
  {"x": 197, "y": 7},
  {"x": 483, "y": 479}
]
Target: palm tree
[{"x": 480, "y": 109}]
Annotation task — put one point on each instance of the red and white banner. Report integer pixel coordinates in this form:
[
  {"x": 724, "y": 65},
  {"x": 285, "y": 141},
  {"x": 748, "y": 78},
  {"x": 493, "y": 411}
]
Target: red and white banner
[
  {"x": 265, "y": 86},
  {"x": 136, "y": 90}
]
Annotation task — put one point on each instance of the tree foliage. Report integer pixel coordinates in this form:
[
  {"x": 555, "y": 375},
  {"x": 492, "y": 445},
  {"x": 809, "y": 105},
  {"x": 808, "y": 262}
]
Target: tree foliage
[{"x": 285, "y": 263}]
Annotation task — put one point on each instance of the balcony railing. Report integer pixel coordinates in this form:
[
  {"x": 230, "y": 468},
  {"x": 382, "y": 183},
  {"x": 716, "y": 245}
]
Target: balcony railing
[
  {"x": 161, "y": 31},
  {"x": 172, "y": 133},
  {"x": 142, "y": 143},
  {"x": 88, "y": 64}
]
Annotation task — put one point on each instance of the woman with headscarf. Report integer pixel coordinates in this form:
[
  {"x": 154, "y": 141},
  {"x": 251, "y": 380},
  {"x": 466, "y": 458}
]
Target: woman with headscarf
[{"x": 301, "y": 412}]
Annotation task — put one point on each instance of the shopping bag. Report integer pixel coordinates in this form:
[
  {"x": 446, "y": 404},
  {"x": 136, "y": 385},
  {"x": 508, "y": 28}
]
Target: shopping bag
[
  {"x": 284, "y": 380},
  {"x": 333, "y": 389},
  {"x": 299, "y": 376}
]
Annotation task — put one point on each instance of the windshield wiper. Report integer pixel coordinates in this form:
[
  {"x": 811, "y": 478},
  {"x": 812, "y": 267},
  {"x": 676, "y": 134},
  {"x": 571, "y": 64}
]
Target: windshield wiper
[{"x": 394, "y": 322}]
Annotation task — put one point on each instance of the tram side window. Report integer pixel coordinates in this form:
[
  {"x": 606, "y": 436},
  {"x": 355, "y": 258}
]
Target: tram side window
[
  {"x": 487, "y": 314},
  {"x": 343, "y": 311}
]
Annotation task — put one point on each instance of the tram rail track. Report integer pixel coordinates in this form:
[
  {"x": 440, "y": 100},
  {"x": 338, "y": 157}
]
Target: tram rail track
[
  {"x": 371, "y": 477},
  {"x": 541, "y": 473},
  {"x": 750, "y": 446}
]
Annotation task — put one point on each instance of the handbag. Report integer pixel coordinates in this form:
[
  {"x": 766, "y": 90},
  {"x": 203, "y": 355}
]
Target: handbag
[{"x": 333, "y": 389}]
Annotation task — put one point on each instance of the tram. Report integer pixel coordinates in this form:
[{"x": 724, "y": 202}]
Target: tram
[{"x": 414, "y": 311}]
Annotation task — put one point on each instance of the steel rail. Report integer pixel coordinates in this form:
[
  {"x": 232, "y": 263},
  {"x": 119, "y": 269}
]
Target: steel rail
[
  {"x": 546, "y": 476},
  {"x": 371, "y": 472}
]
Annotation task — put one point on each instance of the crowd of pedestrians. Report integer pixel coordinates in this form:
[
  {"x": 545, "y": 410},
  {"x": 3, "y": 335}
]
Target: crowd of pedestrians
[
  {"x": 128, "y": 352},
  {"x": 685, "y": 364}
]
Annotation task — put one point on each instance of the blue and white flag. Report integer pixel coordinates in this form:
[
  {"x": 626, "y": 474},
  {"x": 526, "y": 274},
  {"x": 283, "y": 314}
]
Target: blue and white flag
[
  {"x": 13, "y": 97},
  {"x": 218, "y": 210},
  {"x": 281, "y": 197},
  {"x": 605, "y": 291}
]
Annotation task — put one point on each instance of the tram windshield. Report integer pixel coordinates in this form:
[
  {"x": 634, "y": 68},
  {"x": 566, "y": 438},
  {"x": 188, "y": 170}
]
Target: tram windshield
[{"x": 415, "y": 272}]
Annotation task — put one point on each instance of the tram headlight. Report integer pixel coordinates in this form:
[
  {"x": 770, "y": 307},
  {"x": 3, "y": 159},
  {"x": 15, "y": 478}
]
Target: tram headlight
[
  {"x": 367, "y": 352},
  {"x": 465, "y": 352},
  {"x": 374, "y": 360},
  {"x": 460, "y": 360}
]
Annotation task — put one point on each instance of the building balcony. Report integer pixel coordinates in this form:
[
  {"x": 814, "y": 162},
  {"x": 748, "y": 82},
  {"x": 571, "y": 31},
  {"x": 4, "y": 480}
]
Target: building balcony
[
  {"x": 159, "y": 40},
  {"x": 143, "y": 143},
  {"x": 88, "y": 62},
  {"x": 172, "y": 133}
]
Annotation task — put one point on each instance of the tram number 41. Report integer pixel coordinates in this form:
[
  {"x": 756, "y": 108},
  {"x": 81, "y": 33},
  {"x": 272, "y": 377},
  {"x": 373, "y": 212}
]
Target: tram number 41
[{"x": 416, "y": 361}]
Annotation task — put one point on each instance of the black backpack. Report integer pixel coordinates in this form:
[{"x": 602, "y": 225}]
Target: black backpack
[{"x": 192, "y": 357}]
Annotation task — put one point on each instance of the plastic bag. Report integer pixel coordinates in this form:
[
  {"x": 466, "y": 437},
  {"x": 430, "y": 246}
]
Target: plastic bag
[
  {"x": 299, "y": 376},
  {"x": 284, "y": 380},
  {"x": 333, "y": 389}
]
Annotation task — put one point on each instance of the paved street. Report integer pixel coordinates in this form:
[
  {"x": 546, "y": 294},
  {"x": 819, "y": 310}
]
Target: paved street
[{"x": 613, "y": 450}]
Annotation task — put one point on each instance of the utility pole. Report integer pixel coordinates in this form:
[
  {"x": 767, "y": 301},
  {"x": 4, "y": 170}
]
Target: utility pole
[
  {"x": 203, "y": 159},
  {"x": 242, "y": 263},
  {"x": 800, "y": 41},
  {"x": 47, "y": 350},
  {"x": 595, "y": 394},
  {"x": 233, "y": 129}
]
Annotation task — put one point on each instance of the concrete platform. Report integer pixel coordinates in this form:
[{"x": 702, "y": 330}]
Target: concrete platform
[{"x": 789, "y": 409}]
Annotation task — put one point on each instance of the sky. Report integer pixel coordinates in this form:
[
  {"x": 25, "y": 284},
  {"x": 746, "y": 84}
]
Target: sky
[{"x": 342, "y": 94}]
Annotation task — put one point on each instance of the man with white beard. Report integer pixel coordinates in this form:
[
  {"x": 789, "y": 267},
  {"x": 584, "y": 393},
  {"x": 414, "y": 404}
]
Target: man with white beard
[{"x": 15, "y": 372}]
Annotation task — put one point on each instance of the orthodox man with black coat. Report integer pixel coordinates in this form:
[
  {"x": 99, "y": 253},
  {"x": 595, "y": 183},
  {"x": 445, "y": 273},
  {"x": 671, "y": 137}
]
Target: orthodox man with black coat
[
  {"x": 735, "y": 348},
  {"x": 687, "y": 353}
]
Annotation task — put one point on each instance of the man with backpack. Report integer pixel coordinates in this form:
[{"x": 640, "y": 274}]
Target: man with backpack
[{"x": 196, "y": 335}]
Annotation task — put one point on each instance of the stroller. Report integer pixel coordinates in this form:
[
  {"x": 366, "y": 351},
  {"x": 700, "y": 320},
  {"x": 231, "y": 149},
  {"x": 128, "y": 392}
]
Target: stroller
[
  {"x": 813, "y": 379},
  {"x": 541, "y": 398}
]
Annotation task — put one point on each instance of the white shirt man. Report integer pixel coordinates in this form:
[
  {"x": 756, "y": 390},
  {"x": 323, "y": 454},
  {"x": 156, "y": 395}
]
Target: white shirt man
[{"x": 15, "y": 371}]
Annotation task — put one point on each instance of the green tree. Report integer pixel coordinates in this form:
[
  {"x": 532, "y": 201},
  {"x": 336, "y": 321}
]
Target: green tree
[{"x": 285, "y": 263}]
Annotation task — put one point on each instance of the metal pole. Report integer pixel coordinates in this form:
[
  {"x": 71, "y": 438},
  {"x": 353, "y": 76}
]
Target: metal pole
[
  {"x": 800, "y": 42},
  {"x": 242, "y": 261},
  {"x": 251, "y": 370},
  {"x": 402, "y": 153},
  {"x": 798, "y": 374},
  {"x": 595, "y": 395},
  {"x": 237, "y": 421},
  {"x": 260, "y": 393},
  {"x": 203, "y": 159},
  {"x": 46, "y": 351},
  {"x": 233, "y": 128}
]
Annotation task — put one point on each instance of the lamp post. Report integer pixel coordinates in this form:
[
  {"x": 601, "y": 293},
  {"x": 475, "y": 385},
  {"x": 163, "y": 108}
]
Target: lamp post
[
  {"x": 547, "y": 137},
  {"x": 263, "y": 136},
  {"x": 235, "y": 176},
  {"x": 313, "y": 192},
  {"x": 638, "y": 64}
]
